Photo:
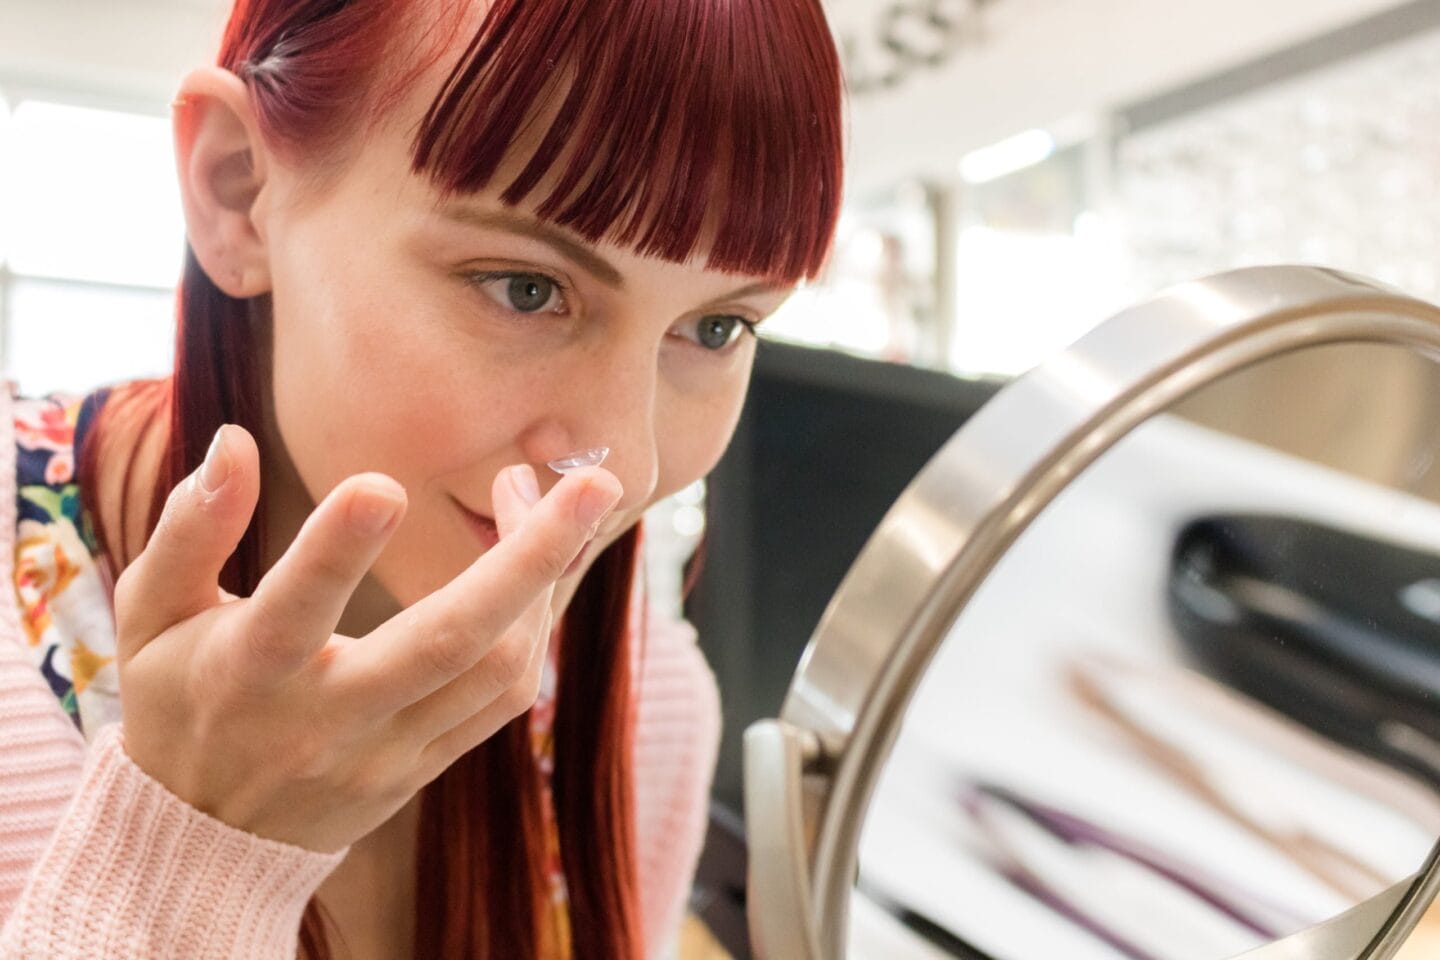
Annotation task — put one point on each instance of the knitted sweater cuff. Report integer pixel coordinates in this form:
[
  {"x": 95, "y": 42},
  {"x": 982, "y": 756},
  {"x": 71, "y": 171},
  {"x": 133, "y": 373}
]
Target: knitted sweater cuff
[{"x": 133, "y": 871}]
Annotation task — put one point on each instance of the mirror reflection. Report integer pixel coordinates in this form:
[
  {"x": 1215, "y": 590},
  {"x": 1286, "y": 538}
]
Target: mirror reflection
[{"x": 1191, "y": 712}]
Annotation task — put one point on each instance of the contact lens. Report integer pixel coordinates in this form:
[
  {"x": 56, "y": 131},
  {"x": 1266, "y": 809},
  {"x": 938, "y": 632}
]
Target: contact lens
[{"x": 585, "y": 458}]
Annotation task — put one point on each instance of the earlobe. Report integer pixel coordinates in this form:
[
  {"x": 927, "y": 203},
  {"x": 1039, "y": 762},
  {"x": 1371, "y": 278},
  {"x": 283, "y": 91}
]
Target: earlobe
[{"x": 222, "y": 163}]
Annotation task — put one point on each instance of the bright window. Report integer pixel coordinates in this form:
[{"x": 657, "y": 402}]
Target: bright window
[
  {"x": 91, "y": 245},
  {"x": 91, "y": 195},
  {"x": 5, "y": 178},
  {"x": 74, "y": 337}
]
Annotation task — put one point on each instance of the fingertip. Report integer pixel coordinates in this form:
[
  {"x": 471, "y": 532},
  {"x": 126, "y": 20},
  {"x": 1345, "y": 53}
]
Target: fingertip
[
  {"x": 514, "y": 493},
  {"x": 525, "y": 484},
  {"x": 588, "y": 477},
  {"x": 382, "y": 485},
  {"x": 244, "y": 443},
  {"x": 613, "y": 479},
  {"x": 218, "y": 465},
  {"x": 377, "y": 503},
  {"x": 610, "y": 484},
  {"x": 600, "y": 492}
]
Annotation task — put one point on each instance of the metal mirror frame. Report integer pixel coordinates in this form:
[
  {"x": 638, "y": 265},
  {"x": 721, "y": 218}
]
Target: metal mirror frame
[{"x": 810, "y": 774}]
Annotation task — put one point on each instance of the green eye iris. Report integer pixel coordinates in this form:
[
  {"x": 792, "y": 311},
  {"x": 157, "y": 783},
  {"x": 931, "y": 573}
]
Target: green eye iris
[
  {"x": 529, "y": 293},
  {"x": 715, "y": 333}
]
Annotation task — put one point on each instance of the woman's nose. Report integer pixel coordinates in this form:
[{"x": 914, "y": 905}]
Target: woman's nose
[{"x": 610, "y": 407}]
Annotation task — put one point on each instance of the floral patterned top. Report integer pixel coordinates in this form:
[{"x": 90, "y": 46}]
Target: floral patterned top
[
  {"x": 62, "y": 580},
  {"x": 65, "y": 588}
]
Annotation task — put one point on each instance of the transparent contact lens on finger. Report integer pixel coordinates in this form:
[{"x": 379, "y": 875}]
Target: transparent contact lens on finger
[{"x": 584, "y": 458}]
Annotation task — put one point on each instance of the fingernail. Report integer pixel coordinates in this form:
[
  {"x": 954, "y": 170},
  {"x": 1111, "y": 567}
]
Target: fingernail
[
  {"x": 216, "y": 468},
  {"x": 595, "y": 503},
  {"x": 372, "y": 512},
  {"x": 522, "y": 478}
]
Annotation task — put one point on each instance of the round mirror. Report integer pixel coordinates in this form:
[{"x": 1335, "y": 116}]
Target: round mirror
[
  {"x": 1145, "y": 665},
  {"x": 1191, "y": 711}
]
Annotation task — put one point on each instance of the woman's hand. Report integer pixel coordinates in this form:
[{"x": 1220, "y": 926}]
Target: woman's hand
[{"x": 254, "y": 711}]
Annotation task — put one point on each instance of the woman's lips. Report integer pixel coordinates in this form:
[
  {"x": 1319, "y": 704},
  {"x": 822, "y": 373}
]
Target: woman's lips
[
  {"x": 489, "y": 535},
  {"x": 483, "y": 526}
]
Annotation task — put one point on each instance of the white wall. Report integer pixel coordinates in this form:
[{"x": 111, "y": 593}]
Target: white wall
[
  {"x": 135, "y": 50},
  {"x": 1044, "y": 62}
]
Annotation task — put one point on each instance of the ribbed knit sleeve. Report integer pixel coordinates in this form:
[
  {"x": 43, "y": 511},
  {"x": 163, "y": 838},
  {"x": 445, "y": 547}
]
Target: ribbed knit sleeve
[
  {"x": 677, "y": 741},
  {"x": 132, "y": 871},
  {"x": 97, "y": 859}
]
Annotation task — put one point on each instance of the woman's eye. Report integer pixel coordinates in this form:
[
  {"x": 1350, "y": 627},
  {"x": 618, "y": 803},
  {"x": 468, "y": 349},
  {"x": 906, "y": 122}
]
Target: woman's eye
[
  {"x": 719, "y": 331},
  {"x": 522, "y": 292}
]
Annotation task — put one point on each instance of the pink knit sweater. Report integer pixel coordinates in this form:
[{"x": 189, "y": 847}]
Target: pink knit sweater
[{"x": 97, "y": 860}]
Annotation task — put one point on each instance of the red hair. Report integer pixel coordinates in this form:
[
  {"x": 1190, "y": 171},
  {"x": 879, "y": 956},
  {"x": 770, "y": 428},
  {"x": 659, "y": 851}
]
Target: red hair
[{"x": 671, "y": 124}]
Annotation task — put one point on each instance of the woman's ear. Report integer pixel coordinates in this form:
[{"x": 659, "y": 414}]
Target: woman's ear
[{"x": 222, "y": 165}]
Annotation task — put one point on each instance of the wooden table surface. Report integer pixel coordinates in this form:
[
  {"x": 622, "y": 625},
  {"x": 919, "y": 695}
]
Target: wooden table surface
[
  {"x": 696, "y": 943},
  {"x": 1424, "y": 943}
]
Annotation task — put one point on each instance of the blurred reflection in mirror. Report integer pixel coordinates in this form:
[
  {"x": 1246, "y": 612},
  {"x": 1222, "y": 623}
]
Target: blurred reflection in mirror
[{"x": 1193, "y": 709}]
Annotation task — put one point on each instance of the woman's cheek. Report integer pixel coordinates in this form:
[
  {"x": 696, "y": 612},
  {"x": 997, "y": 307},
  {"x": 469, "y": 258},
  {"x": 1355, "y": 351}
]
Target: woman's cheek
[{"x": 694, "y": 442}]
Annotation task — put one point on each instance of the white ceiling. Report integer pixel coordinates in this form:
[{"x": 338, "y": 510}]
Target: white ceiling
[{"x": 1041, "y": 62}]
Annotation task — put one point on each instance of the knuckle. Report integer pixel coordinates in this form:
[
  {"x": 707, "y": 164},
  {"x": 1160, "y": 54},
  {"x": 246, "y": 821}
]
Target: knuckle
[
  {"x": 530, "y": 686},
  {"x": 427, "y": 770},
  {"x": 510, "y": 660},
  {"x": 374, "y": 780},
  {"x": 519, "y": 698},
  {"x": 431, "y": 763},
  {"x": 127, "y": 587},
  {"x": 268, "y": 637},
  {"x": 447, "y": 651},
  {"x": 551, "y": 558},
  {"x": 331, "y": 567},
  {"x": 309, "y": 759}
]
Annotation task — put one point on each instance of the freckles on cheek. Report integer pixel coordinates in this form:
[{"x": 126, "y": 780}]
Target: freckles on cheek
[
  {"x": 448, "y": 409},
  {"x": 369, "y": 388}
]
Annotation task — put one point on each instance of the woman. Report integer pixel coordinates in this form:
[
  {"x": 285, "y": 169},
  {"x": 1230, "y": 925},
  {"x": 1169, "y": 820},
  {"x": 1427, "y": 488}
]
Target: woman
[{"x": 433, "y": 246}]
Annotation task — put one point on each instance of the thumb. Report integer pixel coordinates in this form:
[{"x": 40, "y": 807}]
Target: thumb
[
  {"x": 177, "y": 575},
  {"x": 515, "y": 491}
]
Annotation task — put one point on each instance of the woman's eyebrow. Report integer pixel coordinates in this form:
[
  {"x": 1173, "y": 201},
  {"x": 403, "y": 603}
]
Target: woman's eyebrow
[
  {"x": 751, "y": 290},
  {"x": 743, "y": 292},
  {"x": 524, "y": 226},
  {"x": 576, "y": 251}
]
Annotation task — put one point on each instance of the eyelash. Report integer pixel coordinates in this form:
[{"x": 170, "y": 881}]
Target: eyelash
[{"x": 479, "y": 278}]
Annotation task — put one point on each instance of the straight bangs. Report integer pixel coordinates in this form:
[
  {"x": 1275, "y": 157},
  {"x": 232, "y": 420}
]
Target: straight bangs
[{"x": 657, "y": 125}]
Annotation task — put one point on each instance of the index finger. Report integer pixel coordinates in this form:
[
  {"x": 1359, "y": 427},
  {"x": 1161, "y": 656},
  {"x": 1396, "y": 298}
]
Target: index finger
[{"x": 425, "y": 646}]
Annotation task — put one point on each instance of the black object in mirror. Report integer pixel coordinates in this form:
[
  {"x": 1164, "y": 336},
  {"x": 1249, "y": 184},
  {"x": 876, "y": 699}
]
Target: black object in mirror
[{"x": 1338, "y": 630}]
